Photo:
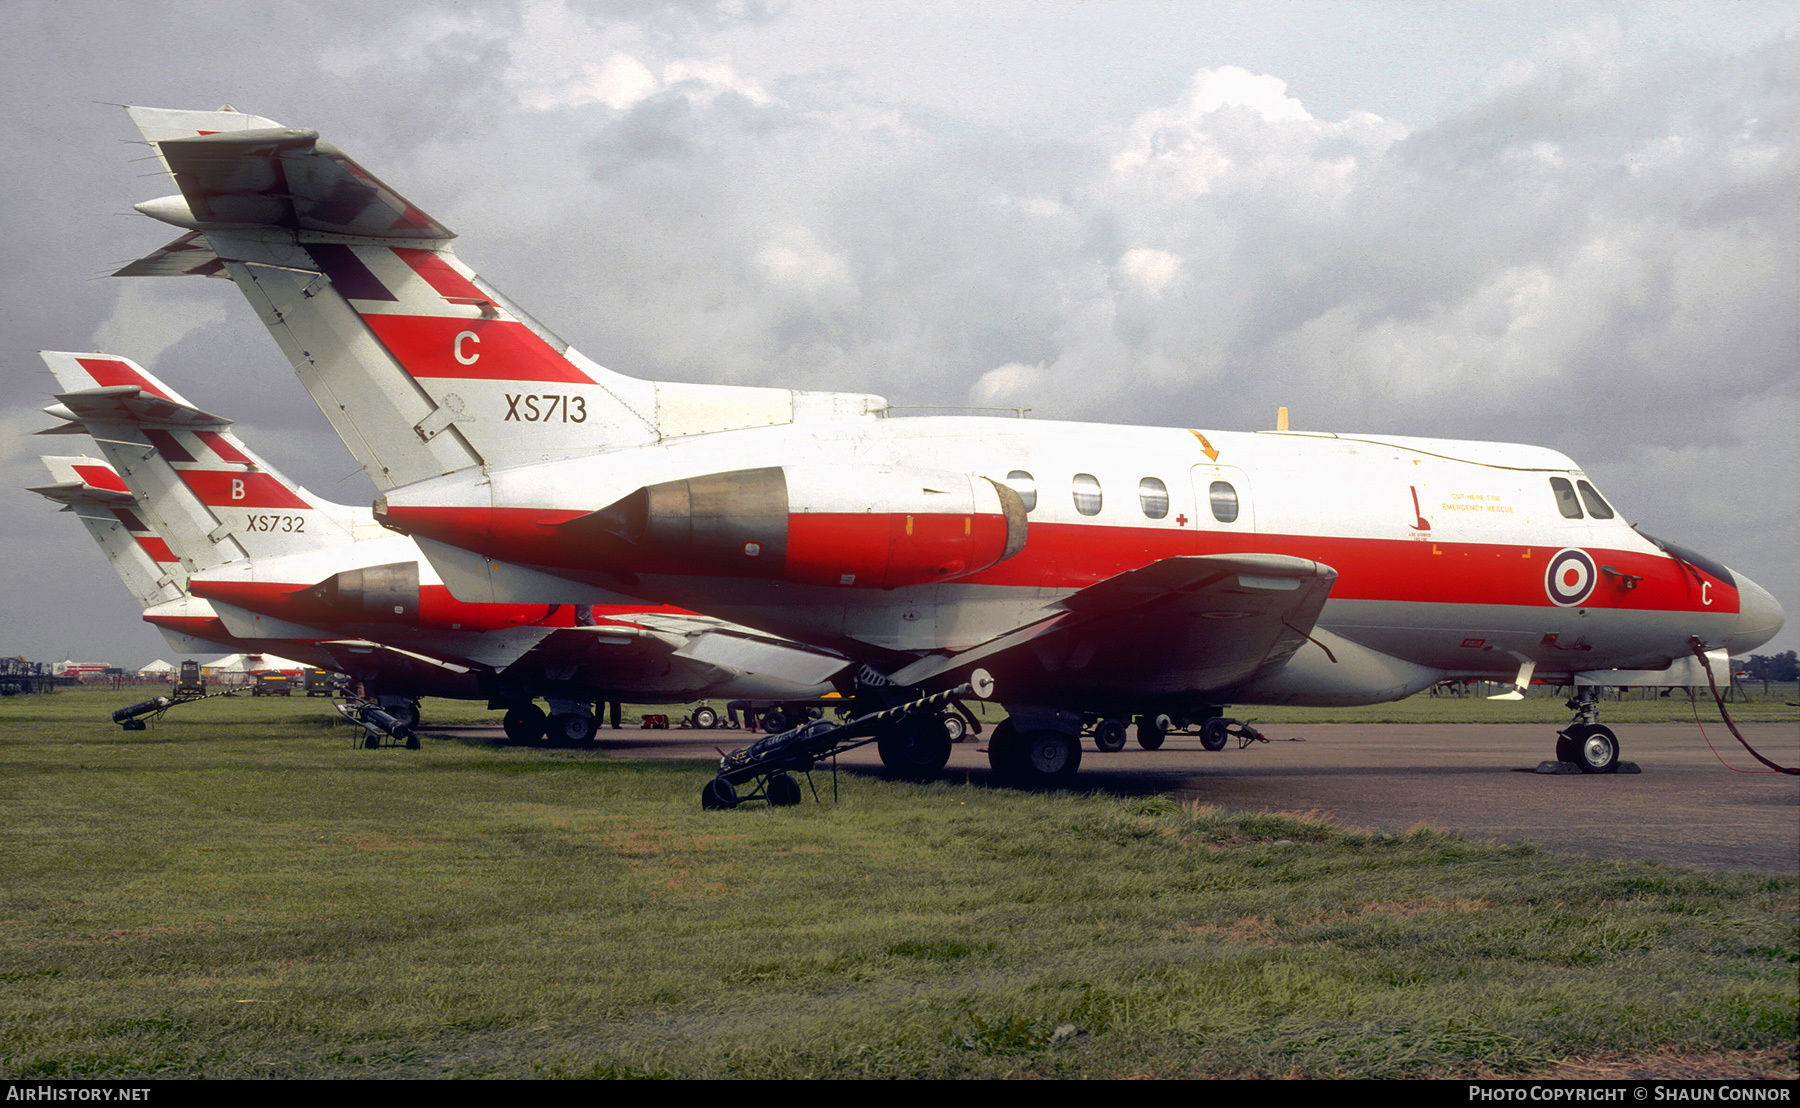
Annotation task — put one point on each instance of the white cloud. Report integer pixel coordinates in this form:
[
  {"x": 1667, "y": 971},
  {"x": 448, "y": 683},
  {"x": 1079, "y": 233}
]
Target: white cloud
[
  {"x": 150, "y": 316},
  {"x": 794, "y": 260},
  {"x": 1148, "y": 270},
  {"x": 1007, "y": 384}
]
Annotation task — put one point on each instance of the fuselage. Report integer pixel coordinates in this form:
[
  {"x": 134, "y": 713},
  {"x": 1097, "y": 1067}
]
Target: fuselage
[{"x": 1457, "y": 558}]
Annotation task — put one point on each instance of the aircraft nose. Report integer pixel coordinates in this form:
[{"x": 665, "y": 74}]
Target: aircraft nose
[{"x": 1760, "y": 617}]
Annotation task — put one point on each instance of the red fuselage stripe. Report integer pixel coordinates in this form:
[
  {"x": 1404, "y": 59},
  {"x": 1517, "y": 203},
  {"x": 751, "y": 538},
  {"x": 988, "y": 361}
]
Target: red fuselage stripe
[{"x": 1073, "y": 556}]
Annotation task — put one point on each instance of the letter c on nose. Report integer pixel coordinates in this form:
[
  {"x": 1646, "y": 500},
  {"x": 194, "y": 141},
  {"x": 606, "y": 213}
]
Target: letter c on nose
[{"x": 468, "y": 359}]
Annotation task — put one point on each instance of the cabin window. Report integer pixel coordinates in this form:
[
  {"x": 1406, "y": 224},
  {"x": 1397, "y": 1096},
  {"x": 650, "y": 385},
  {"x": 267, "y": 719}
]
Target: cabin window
[
  {"x": 1087, "y": 494},
  {"x": 1153, "y": 497},
  {"x": 1596, "y": 506},
  {"x": 1224, "y": 500},
  {"x": 1566, "y": 503},
  {"x": 1025, "y": 485}
]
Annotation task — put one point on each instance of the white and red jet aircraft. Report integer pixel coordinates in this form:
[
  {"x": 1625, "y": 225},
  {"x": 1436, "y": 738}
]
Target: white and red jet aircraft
[
  {"x": 271, "y": 562},
  {"x": 1100, "y": 572},
  {"x": 151, "y": 571}
]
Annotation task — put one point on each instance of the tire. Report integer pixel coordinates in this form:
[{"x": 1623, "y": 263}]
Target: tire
[
  {"x": 782, "y": 791},
  {"x": 1050, "y": 758},
  {"x": 1110, "y": 736},
  {"x": 916, "y": 748},
  {"x": 718, "y": 795},
  {"x": 571, "y": 729},
  {"x": 371, "y": 742},
  {"x": 775, "y": 721},
  {"x": 1003, "y": 751},
  {"x": 524, "y": 723},
  {"x": 1565, "y": 746},
  {"x": 705, "y": 717},
  {"x": 412, "y": 741},
  {"x": 955, "y": 727},
  {"x": 1214, "y": 733},
  {"x": 1596, "y": 748},
  {"x": 1149, "y": 735}
]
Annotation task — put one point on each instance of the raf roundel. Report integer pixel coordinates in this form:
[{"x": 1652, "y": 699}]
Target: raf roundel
[{"x": 1570, "y": 578}]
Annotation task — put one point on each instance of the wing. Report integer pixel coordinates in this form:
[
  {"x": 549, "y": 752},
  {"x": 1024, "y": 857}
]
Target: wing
[{"x": 1188, "y": 626}]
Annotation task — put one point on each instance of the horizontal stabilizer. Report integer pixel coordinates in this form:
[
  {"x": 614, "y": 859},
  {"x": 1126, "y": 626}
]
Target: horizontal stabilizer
[
  {"x": 188, "y": 256},
  {"x": 104, "y": 387},
  {"x": 130, "y": 404},
  {"x": 83, "y": 480},
  {"x": 271, "y": 176}
]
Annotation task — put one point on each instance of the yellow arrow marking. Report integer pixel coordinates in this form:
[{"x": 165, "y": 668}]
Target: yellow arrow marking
[{"x": 1211, "y": 454}]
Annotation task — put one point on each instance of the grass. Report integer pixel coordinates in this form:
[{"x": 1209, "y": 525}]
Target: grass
[{"x": 240, "y": 892}]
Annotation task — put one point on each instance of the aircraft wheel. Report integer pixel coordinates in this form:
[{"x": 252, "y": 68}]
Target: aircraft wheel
[
  {"x": 571, "y": 729},
  {"x": 1051, "y": 757},
  {"x": 705, "y": 717},
  {"x": 1150, "y": 732},
  {"x": 955, "y": 727},
  {"x": 1596, "y": 748},
  {"x": 782, "y": 791},
  {"x": 775, "y": 721},
  {"x": 524, "y": 723},
  {"x": 1214, "y": 733},
  {"x": 916, "y": 748},
  {"x": 718, "y": 795},
  {"x": 1565, "y": 746},
  {"x": 1004, "y": 746},
  {"x": 1110, "y": 736}
]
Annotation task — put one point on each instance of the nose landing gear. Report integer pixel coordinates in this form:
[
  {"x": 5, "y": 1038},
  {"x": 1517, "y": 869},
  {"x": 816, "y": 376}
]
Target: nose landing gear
[{"x": 1593, "y": 748}]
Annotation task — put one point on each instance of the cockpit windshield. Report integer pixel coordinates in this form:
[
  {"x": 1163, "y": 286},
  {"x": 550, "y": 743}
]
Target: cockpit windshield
[{"x": 1570, "y": 503}]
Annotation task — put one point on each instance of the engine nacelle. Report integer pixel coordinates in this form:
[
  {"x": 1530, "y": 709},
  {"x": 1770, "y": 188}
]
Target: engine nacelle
[
  {"x": 392, "y": 594},
  {"x": 388, "y": 593},
  {"x": 854, "y": 527}
]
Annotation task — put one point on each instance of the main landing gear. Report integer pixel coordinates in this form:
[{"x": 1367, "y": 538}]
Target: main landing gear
[
  {"x": 569, "y": 723},
  {"x": 916, "y": 747},
  {"x": 1036, "y": 747},
  {"x": 1585, "y": 742}
]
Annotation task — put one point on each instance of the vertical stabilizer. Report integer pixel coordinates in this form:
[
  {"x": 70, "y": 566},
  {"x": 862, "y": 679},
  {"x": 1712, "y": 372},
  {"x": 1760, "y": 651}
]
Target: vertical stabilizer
[
  {"x": 421, "y": 366},
  {"x": 94, "y": 493},
  {"x": 195, "y": 481}
]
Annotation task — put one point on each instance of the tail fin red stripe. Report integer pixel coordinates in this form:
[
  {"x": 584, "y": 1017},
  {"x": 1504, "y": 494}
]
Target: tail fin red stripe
[
  {"x": 101, "y": 477},
  {"x": 439, "y": 274},
  {"x": 157, "y": 549},
  {"x": 111, "y": 371},
  {"x": 218, "y": 489},
  {"x": 484, "y": 349},
  {"x": 223, "y": 448}
]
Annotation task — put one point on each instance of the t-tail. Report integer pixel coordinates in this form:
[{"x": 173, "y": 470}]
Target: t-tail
[
  {"x": 95, "y": 493},
  {"x": 195, "y": 482},
  {"x": 422, "y": 367}
]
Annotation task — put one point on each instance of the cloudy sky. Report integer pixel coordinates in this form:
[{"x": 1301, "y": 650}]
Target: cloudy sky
[{"x": 1573, "y": 224}]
